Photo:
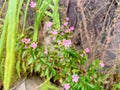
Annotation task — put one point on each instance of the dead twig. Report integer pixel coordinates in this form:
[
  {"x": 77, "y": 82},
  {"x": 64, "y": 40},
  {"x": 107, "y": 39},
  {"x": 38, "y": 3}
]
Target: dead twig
[{"x": 80, "y": 5}]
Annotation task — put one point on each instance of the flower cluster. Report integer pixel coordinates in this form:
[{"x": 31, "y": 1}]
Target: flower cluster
[
  {"x": 32, "y": 4},
  {"x": 62, "y": 36},
  {"x": 54, "y": 32},
  {"x": 65, "y": 24},
  {"x": 75, "y": 79},
  {"x": 66, "y": 30},
  {"x": 66, "y": 43},
  {"x": 26, "y": 41}
]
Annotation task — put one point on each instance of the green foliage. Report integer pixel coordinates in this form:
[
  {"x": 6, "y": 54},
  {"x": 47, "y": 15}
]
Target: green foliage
[
  {"x": 25, "y": 15},
  {"x": 39, "y": 16},
  {"x": 9, "y": 36},
  {"x": 59, "y": 64},
  {"x": 64, "y": 61},
  {"x": 116, "y": 86},
  {"x": 92, "y": 79},
  {"x": 2, "y": 43},
  {"x": 10, "y": 45},
  {"x": 42, "y": 7},
  {"x": 46, "y": 85},
  {"x": 3, "y": 36},
  {"x": 54, "y": 14},
  {"x": 56, "y": 64}
]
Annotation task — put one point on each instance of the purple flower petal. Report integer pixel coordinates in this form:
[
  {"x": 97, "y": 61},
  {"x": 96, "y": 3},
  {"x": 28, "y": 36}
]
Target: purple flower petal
[
  {"x": 87, "y": 50},
  {"x": 32, "y": 4},
  {"x": 102, "y": 64},
  {"x": 75, "y": 78},
  {"x": 34, "y": 45},
  {"x": 66, "y": 86}
]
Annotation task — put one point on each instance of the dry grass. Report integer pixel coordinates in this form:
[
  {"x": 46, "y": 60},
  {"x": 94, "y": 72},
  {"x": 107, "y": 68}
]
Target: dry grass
[{"x": 99, "y": 41}]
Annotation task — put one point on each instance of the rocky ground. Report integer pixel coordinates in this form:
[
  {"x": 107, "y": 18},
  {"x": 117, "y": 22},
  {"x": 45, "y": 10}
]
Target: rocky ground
[{"x": 31, "y": 83}]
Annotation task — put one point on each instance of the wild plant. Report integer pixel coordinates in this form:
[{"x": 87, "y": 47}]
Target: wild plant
[{"x": 9, "y": 37}]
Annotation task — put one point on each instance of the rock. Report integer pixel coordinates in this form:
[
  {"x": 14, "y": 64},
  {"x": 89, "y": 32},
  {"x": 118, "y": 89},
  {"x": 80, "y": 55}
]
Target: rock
[
  {"x": 21, "y": 87},
  {"x": 32, "y": 83},
  {"x": 112, "y": 57}
]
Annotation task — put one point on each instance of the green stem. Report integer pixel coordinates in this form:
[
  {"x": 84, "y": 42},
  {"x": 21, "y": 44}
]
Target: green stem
[
  {"x": 25, "y": 15},
  {"x": 39, "y": 17}
]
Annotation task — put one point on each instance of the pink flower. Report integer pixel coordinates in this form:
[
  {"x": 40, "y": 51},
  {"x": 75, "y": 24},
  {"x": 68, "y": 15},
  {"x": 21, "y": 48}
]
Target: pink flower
[
  {"x": 75, "y": 78},
  {"x": 34, "y": 45},
  {"x": 62, "y": 33},
  {"x": 66, "y": 86},
  {"x": 23, "y": 40},
  {"x": 67, "y": 43},
  {"x": 32, "y": 4},
  {"x": 62, "y": 27},
  {"x": 25, "y": 46},
  {"x": 54, "y": 32},
  {"x": 72, "y": 28},
  {"x": 46, "y": 52},
  {"x": 65, "y": 23},
  {"x": 58, "y": 41},
  {"x": 67, "y": 19},
  {"x": 53, "y": 38},
  {"x": 66, "y": 31},
  {"x": 27, "y": 41},
  {"x": 102, "y": 64},
  {"x": 87, "y": 50},
  {"x": 49, "y": 24}
]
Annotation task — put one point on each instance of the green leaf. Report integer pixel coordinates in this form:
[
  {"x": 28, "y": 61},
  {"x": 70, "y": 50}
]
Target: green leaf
[
  {"x": 90, "y": 85},
  {"x": 24, "y": 67},
  {"x": 39, "y": 17},
  {"x": 30, "y": 61},
  {"x": 37, "y": 67},
  {"x": 46, "y": 85},
  {"x": 18, "y": 68},
  {"x": 116, "y": 86},
  {"x": 49, "y": 14},
  {"x": 11, "y": 29}
]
